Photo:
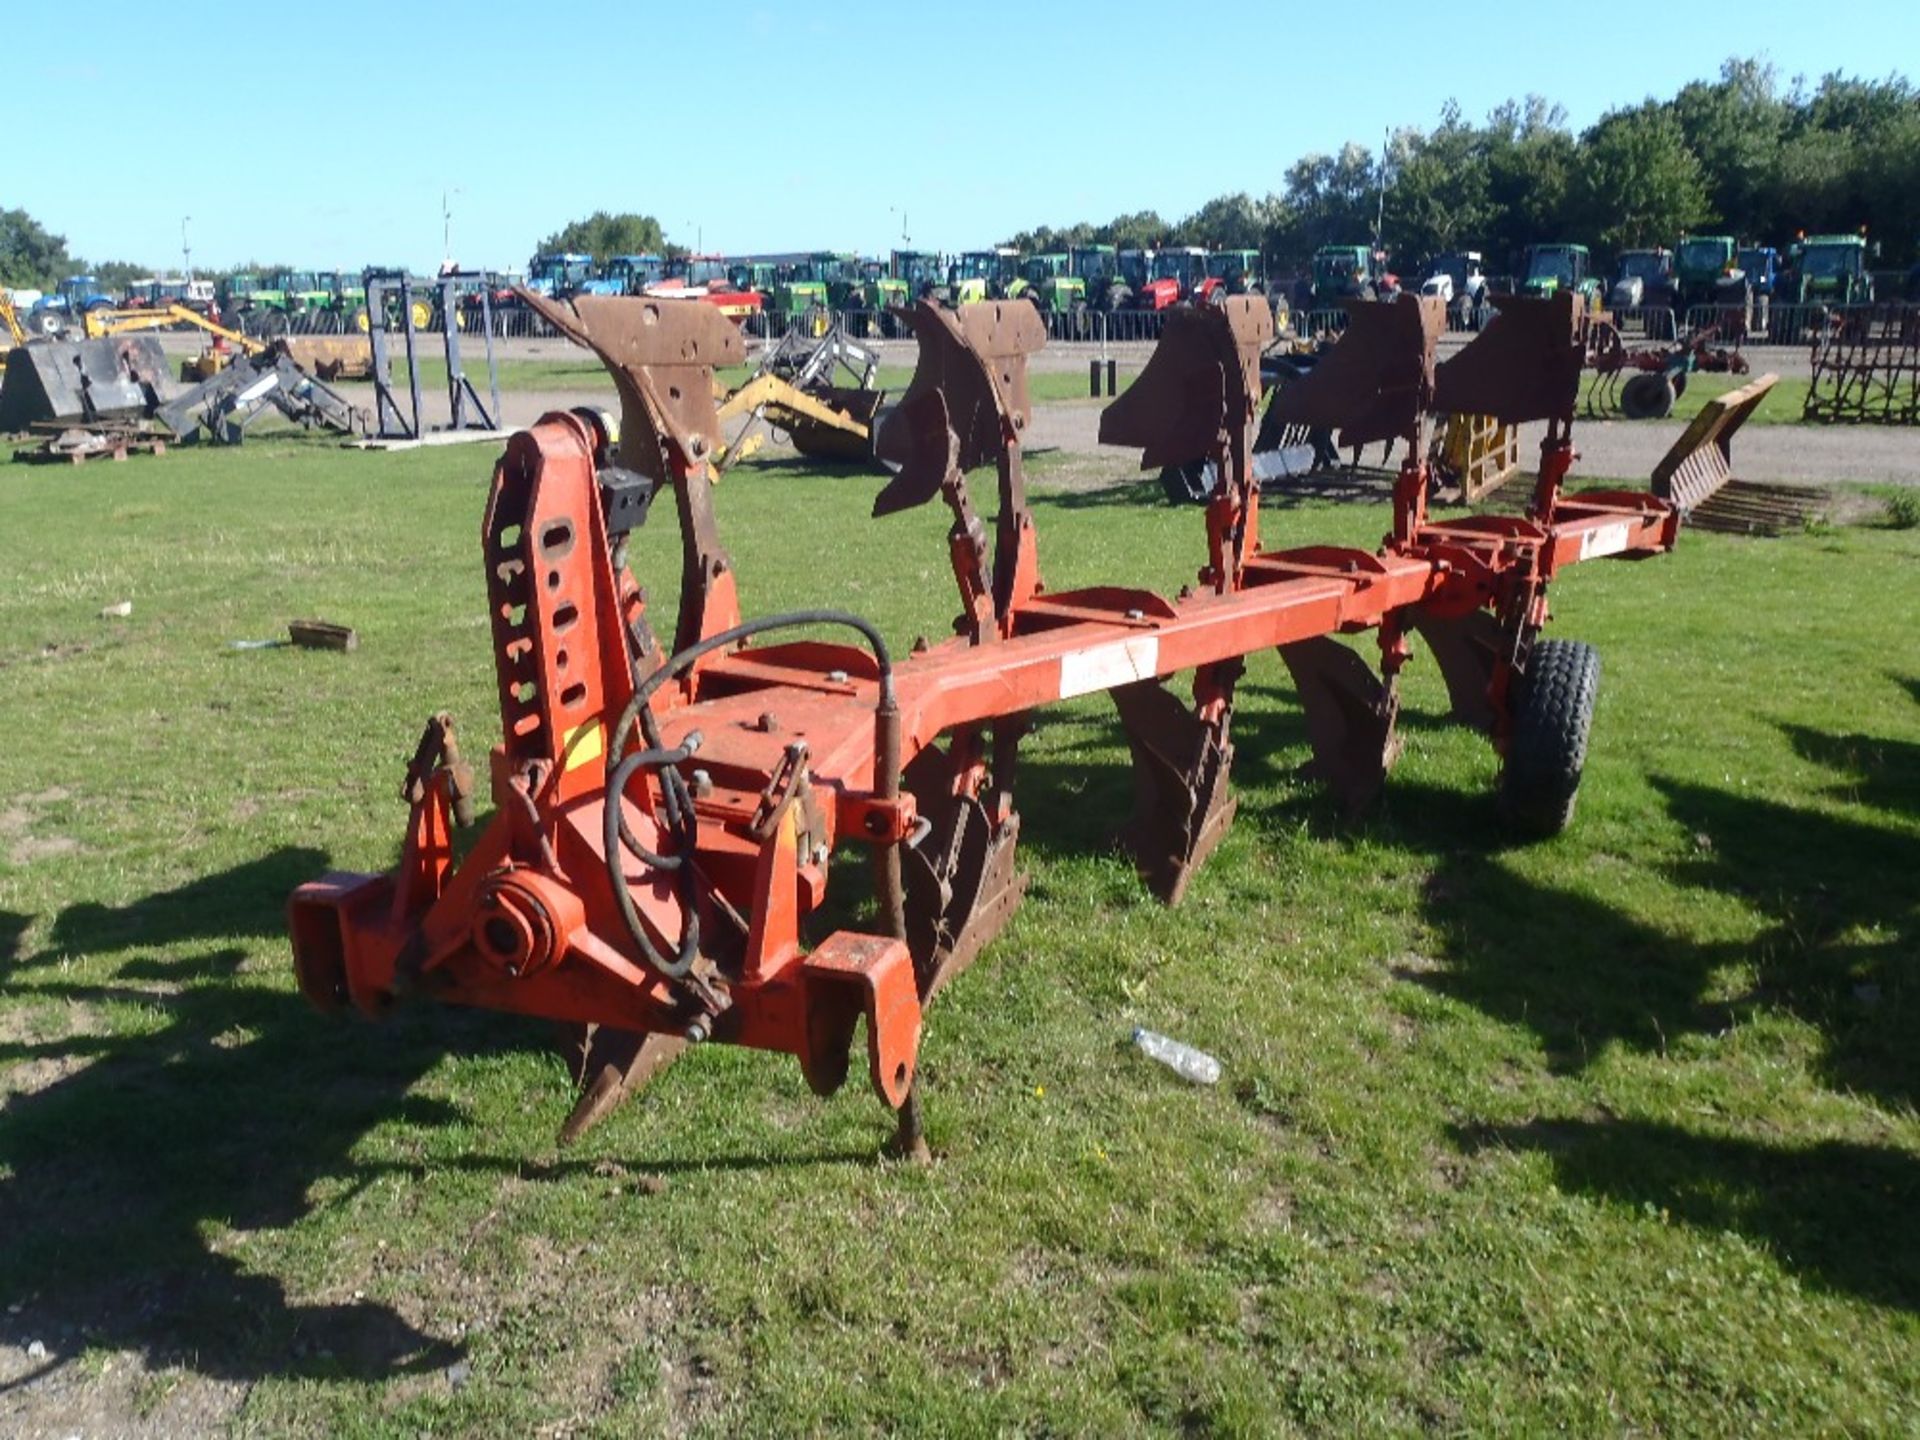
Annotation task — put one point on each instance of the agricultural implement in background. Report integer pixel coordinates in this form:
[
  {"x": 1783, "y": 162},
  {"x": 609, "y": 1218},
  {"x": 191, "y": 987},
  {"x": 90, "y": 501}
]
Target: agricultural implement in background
[
  {"x": 1866, "y": 368},
  {"x": 799, "y": 389},
  {"x": 668, "y": 812},
  {"x": 1469, "y": 456},
  {"x": 261, "y": 381},
  {"x": 1644, "y": 383}
]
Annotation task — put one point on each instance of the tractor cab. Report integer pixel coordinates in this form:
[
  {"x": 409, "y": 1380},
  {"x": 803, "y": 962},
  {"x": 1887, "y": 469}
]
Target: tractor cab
[
  {"x": 1642, "y": 278},
  {"x": 1457, "y": 279},
  {"x": 1097, "y": 268},
  {"x": 1549, "y": 269},
  {"x": 1236, "y": 270},
  {"x": 1178, "y": 274},
  {"x": 628, "y": 274},
  {"x": 986, "y": 275},
  {"x": 1761, "y": 265},
  {"x": 1343, "y": 272},
  {"x": 924, "y": 272},
  {"x": 559, "y": 274},
  {"x": 1707, "y": 271},
  {"x": 1833, "y": 271},
  {"x": 1050, "y": 285}
]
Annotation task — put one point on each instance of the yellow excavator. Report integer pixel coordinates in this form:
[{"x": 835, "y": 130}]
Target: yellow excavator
[
  {"x": 329, "y": 356},
  {"x": 16, "y": 332}
]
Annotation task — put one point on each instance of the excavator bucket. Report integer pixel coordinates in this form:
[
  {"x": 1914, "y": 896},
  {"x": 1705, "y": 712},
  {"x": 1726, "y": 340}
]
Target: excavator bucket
[
  {"x": 118, "y": 377},
  {"x": 1525, "y": 365},
  {"x": 1203, "y": 376},
  {"x": 1378, "y": 380},
  {"x": 965, "y": 402}
]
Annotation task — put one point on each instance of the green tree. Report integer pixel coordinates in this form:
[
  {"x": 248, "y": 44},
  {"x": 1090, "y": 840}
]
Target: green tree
[
  {"x": 1141, "y": 230},
  {"x": 1636, "y": 182},
  {"x": 602, "y": 234},
  {"x": 1530, "y": 160},
  {"x": 31, "y": 256},
  {"x": 1438, "y": 199},
  {"x": 1229, "y": 222},
  {"x": 1735, "y": 127}
]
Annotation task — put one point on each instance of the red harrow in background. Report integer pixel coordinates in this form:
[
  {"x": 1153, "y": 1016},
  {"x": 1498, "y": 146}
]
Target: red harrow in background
[{"x": 666, "y": 816}]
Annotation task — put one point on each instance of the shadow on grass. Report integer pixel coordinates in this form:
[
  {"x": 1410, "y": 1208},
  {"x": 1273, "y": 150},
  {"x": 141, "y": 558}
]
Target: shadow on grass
[
  {"x": 1840, "y": 1212},
  {"x": 127, "y": 1161}
]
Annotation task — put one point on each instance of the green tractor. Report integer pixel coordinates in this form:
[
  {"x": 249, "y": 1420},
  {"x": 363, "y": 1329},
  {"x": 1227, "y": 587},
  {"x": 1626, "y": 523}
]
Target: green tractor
[
  {"x": 879, "y": 292},
  {"x": 1549, "y": 269},
  {"x": 987, "y": 275},
  {"x": 1343, "y": 272},
  {"x": 1832, "y": 270},
  {"x": 923, "y": 272},
  {"x": 1706, "y": 271},
  {"x": 1239, "y": 272},
  {"x": 1051, "y": 285},
  {"x": 1097, "y": 268},
  {"x": 801, "y": 288}
]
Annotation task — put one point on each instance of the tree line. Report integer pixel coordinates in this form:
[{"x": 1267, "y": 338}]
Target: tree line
[{"x": 1744, "y": 154}]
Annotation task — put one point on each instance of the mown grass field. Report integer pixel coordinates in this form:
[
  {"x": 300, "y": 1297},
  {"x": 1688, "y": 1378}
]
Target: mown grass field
[{"x": 1614, "y": 1133}]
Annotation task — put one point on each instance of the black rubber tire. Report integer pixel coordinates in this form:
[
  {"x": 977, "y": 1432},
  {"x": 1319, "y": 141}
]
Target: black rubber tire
[
  {"x": 1647, "y": 396},
  {"x": 1547, "y": 750}
]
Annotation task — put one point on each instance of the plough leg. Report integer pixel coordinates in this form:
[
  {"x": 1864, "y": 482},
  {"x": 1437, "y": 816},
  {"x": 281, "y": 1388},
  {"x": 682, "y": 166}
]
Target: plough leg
[
  {"x": 961, "y": 883},
  {"x": 1350, "y": 715},
  {"x": 1181, "y": 757},
  {"x": 609, "y": 1065},
  {"x": 1467, "y": 649}
]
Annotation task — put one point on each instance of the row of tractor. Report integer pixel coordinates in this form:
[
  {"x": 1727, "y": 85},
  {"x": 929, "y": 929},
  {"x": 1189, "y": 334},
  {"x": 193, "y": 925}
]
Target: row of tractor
[
  {"x": 1082, "y": 278},
  {"x": 1700, "y": 270},
  {"x": 266, "y": 304}
]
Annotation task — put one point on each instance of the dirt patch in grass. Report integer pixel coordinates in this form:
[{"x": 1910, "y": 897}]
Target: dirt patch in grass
[{"x": 19, "y": 832}]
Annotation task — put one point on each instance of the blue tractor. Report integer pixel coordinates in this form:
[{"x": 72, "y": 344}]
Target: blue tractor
[
  {"x": 76, "y": 295},
  {"x": 559, "y": 275}
]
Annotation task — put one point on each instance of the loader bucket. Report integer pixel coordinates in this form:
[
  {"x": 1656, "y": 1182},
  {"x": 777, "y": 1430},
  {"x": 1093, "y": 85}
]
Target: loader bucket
[
  {"x": 1525, "y": 365},
  {"x": 116, "y": 377},
  {"x": 1378, "y": 380},
  {"x": 844, "y": 444},
  {"x": 1203, "y": 376},
  {"x": 963, "y": 406}
]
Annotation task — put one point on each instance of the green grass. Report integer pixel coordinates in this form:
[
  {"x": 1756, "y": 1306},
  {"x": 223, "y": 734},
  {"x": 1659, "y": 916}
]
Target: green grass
[
  {"x": 1612, "y": 1133},
  {"x": 570, "y": 374}
]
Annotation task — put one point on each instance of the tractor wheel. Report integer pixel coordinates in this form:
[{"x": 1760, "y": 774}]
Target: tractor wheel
[
  {"x": 361, "y": 323},
  {"x": 274, "y": 324},
  {"x": 1647, "y": 396},
  {"x": 1547, "y": 750}
]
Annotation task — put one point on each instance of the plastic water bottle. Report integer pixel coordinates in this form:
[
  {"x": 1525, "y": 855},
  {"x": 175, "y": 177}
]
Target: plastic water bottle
[{"x": 1183, "y": 1060}]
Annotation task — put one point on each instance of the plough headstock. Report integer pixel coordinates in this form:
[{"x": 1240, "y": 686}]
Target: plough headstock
[
  {"x": 968, "y": 399},
  {"x": 1201, "y": 382}
]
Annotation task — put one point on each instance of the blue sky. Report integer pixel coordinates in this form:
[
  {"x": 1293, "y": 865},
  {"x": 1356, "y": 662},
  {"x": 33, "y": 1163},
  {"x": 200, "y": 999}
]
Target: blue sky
[{"x": 771, "y": 127}]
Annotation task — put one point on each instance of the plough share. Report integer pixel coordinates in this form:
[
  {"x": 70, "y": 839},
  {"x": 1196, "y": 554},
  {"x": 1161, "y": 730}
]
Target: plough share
[{"x": 666, "y": 817}]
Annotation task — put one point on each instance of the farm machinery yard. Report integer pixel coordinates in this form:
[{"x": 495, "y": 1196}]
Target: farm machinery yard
[{"x": 667, "y": 817}]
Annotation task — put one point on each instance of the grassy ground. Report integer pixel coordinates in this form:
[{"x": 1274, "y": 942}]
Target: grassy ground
[
  {"x": 1782, "y": 406},
  {"x": 1611, "y": 1133},
  {"x": 587, "y": 372}
]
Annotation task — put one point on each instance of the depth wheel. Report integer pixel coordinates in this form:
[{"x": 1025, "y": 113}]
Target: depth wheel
[{"x": 1547, "y": 751}]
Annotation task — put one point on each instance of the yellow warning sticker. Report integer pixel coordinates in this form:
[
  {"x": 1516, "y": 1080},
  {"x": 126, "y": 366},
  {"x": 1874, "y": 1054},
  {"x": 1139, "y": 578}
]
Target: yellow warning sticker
[{"x": 584, "y": 743}]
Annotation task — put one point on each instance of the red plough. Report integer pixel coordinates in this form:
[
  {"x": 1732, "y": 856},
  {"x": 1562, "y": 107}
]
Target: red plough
[{"x": 666, "y": 816}]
